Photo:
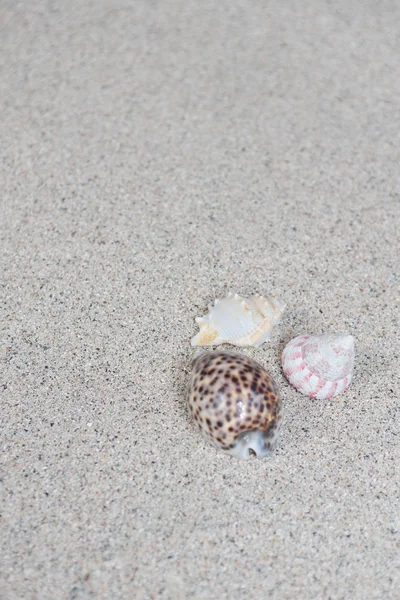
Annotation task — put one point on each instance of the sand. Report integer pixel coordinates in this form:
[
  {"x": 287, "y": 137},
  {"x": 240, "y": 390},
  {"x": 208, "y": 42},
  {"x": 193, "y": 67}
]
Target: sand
[{"x": 156, "y": 155}]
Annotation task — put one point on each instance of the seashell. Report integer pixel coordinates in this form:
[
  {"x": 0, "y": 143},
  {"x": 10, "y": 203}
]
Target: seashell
[
  {"x": 235, "y": 403},
  {"x": 320, "y": 366},
  {"x": 239, "y": 321}
]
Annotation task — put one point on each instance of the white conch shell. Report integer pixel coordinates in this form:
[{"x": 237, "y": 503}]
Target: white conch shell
[
  {"x": 239, "y": 321},
  {"x": 320, "y": 366}
]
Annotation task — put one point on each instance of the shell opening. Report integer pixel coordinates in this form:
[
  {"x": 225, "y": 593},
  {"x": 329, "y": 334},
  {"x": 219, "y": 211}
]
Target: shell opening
[{"x": 257, "y": 444}]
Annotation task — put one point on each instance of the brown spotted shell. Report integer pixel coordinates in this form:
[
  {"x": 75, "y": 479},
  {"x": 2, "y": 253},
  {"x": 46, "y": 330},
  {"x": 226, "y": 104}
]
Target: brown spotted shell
[{"x": 235, "y": 403}]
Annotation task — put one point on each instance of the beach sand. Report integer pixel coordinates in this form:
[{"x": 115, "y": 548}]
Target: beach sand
[{"x": 155, "y": 156}]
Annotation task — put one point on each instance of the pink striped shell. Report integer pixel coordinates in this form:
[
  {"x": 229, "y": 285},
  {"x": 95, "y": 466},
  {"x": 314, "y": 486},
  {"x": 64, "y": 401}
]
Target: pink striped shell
[{"x": 319, "y": 366}]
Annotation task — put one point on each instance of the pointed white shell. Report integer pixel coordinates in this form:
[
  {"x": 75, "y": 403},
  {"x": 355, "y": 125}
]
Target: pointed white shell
[
  {"x": 320, "y": 366},
  {"x": 239, "y": 321}
]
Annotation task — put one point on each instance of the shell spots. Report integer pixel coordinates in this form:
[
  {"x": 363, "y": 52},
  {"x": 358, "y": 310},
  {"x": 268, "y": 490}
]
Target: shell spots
[{"x": 234, "y": 402}]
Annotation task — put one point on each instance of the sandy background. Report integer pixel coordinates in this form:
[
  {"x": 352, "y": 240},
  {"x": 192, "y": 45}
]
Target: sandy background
[{"x": 154, "y": 156}]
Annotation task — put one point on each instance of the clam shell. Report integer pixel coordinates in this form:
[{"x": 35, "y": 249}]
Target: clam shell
[
  {"x": 319, "y": 366},
  {"x": 235, "y": 403},
  {"x": 239, "y": 321}
]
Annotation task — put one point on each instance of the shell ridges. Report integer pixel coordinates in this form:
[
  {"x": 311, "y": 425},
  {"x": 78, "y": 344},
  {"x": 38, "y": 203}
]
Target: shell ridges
[
  {"x": 319, "y": 366},
  {"x": 239, "y": 321}
]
